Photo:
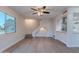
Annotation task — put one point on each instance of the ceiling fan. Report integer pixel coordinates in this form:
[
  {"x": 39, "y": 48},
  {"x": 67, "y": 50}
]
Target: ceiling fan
[{"x": 40, "y": 10}]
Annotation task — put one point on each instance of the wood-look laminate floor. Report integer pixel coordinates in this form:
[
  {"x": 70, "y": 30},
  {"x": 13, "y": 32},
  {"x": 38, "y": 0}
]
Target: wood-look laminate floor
[{"x": 41, "y": 45}]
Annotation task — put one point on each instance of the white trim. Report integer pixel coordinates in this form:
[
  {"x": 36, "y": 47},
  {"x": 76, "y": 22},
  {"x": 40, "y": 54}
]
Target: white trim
[{"x": 70, "y": 46}]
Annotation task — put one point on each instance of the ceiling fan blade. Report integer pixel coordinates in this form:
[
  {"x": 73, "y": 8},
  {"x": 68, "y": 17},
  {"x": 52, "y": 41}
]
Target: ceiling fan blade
[
  {"x": 46, "y": 12},
  {"x": 34, "y": 13},
  {"x": 34, "y": 9},
  {"x": 44, "y": 7}
]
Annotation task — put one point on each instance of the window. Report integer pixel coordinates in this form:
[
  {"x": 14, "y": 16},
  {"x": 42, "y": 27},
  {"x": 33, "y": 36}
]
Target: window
[
  {"x": 7, "y": 23},
  {"x": 62, "y": 25},
  {"x": 2, "y": 22}
]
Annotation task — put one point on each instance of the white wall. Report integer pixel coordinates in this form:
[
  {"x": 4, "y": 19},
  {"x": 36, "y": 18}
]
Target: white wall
[
  {"x": 47, "y": 23},
  {"x": 7, "y": 40},
  {"x": 73, "y": 38},
  {"x": 69, "y": 38},
  {"x": 31, "y": 24},
  {"x": 62, "y": 36}
]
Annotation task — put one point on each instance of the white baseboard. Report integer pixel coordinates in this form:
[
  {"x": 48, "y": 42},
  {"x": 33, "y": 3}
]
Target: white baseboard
[
  {"x": 21, "y": 38},
  {"x": 70, "y": 46}
]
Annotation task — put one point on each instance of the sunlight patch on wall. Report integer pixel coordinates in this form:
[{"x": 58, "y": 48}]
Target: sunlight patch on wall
[
  {"x": 31, "y": 24},
  {"x": 43, "y": 29}
]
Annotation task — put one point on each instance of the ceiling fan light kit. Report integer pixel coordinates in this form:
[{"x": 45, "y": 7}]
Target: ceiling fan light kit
[{"x": 39, "y": 13}]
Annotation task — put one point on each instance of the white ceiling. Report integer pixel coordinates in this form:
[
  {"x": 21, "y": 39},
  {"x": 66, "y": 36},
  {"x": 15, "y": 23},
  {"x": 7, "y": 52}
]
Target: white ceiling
[{"x": 27, "y": 12}]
